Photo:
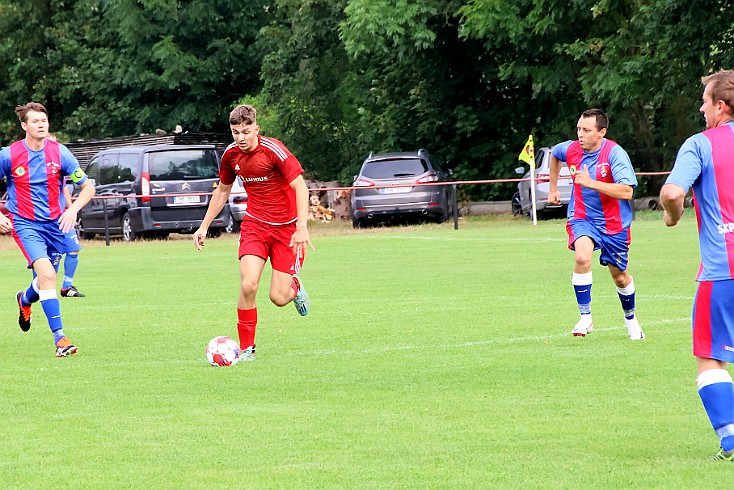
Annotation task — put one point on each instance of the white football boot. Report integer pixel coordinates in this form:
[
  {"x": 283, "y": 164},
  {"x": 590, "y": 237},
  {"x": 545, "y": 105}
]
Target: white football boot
[
  {"x": 583, "y": 327},
  {"x": 633, "y": 329}
]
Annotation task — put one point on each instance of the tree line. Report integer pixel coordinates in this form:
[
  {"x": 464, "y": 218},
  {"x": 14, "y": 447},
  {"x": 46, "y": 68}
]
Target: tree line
[{"x": 336, "y": 79}]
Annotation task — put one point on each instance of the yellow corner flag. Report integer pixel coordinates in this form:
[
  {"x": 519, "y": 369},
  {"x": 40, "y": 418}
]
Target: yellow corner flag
[{"x": 528, "y": 153}]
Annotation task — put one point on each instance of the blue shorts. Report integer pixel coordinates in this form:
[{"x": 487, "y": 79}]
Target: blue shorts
[
  {"x": 39, "y": 239},
  {"x": 713, "y": 320},
  {"x": 614, "y": 248}
]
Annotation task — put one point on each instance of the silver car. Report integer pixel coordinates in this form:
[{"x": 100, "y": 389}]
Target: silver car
[
  {"x": 404, "y": 172},
  {"x": 237, "y": 206},
  {"x": 522, "y": 201}
]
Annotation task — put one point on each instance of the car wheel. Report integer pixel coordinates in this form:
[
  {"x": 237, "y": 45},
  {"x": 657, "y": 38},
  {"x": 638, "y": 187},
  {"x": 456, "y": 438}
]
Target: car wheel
[
  {"x": 128, "y": 234},
  {"x": 233, "y": 226},
  {"x": 357, "y": 223},
  {"x": 516, "y": 204},
  {"x": 80, "y": 230},
  {"x": 216, "y": 233}
]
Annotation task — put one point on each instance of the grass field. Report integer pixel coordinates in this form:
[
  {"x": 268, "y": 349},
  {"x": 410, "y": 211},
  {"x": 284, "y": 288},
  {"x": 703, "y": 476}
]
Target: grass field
[{"x": 432, "y": 358}]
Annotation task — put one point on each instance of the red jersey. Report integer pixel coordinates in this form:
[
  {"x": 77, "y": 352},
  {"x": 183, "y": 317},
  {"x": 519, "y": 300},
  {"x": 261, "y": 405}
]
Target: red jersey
[{"x": 266, "y": 172}]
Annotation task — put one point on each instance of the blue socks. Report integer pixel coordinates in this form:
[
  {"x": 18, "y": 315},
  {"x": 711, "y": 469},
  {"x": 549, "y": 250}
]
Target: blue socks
[
  {"x": 717, "y": 394},
  {"x": 52, "y": 309},
  {"x": 582, "y": 286},
  {"x": 70, "y": 262},
  {"x": 627, "y": 297}
]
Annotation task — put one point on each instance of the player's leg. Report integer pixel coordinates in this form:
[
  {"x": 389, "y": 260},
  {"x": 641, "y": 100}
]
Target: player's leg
[
  {"x": 251, "y": 267},
  {"x": 46, "y": 271},
  {"x": 71, "y": 262},
  {"x": 583, "y": 245},
  {"x": 285, "y": 284},
  {"x": 713, "y": 332},
  {"x": 614, "y": 254}
]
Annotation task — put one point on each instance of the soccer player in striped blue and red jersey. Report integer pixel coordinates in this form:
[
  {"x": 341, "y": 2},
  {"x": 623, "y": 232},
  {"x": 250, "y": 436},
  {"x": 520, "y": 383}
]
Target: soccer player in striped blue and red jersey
[
  {"x": 35, "y": 168},
  {"x": 599, "y": 214},
  {"x": 275, "y": 223},
  {"x": 705, "y": 162}
]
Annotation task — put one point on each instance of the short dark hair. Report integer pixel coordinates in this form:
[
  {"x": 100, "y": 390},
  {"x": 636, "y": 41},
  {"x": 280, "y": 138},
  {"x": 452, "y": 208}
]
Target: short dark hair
[
  {"x": 722, "y": 87},
  {"x": 602, "y": 121},
  {"x": 22, "y": 110},
  {"x": 243, "y": 114}
]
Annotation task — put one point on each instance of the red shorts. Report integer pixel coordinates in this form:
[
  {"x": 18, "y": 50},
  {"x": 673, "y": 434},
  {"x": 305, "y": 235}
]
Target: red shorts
[{"x": 270, "y": 241}]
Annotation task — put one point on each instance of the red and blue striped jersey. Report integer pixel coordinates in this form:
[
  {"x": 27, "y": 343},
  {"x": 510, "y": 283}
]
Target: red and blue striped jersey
[
  {"x": 35, "y": 179},
  {"x": 705, "y": 162},
  {"x": 610, "y": 163}
]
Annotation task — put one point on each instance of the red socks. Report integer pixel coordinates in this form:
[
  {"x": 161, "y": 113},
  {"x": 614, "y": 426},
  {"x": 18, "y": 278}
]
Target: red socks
[{"x": 246, "y": 324}]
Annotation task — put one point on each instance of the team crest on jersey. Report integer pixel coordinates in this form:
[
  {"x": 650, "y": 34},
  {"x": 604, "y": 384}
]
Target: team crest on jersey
[
  {"x": 572, "y": 169},
  {"x": 604, "y": 169},
  {"x": 237, "y": 167},
  {"x": 19, "y": 172},
  {"x": 55, "y": 167}
]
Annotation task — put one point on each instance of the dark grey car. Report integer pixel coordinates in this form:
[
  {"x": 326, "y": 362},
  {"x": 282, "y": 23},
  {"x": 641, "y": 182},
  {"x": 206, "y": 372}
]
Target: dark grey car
[
  {"x": 404, "y": 172},
  {"x": 151, "y": 191}
]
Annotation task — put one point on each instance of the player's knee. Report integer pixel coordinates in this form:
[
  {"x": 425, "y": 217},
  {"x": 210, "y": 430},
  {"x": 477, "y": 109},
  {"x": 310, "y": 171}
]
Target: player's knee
[
  {"x": 279, "y": 299},
  {"x": 249, "y": 288}
]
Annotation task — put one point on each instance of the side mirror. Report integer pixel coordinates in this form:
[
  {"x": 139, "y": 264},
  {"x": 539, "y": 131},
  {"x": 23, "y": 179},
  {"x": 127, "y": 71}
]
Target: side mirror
[{"x": 520, "y": 170}]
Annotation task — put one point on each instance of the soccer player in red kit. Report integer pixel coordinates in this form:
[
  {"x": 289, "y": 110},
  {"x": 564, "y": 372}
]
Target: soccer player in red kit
[{"x": 275, "y": 223}]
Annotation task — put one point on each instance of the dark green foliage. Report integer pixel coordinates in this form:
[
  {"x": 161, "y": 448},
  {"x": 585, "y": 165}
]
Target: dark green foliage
[{"x": 337, "y": 79}]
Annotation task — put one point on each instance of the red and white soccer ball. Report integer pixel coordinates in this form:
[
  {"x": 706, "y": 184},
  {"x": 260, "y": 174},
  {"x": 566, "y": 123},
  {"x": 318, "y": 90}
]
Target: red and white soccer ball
[{"x": 222, "y": 351}]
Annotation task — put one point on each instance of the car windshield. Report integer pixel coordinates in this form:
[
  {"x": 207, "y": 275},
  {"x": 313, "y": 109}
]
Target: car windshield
[
  {"x": 183, "y": 165},
  {"x": 390, "y": 169}
]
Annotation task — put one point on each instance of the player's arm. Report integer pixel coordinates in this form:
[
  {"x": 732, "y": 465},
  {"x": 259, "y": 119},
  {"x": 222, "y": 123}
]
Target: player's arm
[
  {"x": 301, "y": 237},
  {"x": 216, "y": 204},
  {"x": 623, "y": 192},
  {"x": 554, "y": 197},
  {"x": 672, "y": 197},
  {"x": 67, "y": 221}
]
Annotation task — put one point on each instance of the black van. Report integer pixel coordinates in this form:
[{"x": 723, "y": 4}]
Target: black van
[{"x": 151, "y": 191}]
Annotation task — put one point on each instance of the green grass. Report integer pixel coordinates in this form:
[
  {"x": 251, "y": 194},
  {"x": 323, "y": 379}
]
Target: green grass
[{"x": 432, "y": 358}]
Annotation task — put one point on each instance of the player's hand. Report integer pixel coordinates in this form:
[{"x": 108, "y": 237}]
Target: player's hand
[
  {"x": 299, "y": 240},
  {"x": 67, "y": 221},
  {"x": 668, "y": 220},
  {"x": 554, "y": 197},
  {"x": 582, "y": 177},
  {"x": 5, "y": 224},
  {"x": 199, "y": 237}
]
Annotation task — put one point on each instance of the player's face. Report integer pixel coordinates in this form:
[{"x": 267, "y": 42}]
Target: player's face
[
  {"x": 709, "y": 109},
  {"x": 245, "y": 136},
  {"x": 35, "y": 125},
  {"x": 590, "y": 138}
]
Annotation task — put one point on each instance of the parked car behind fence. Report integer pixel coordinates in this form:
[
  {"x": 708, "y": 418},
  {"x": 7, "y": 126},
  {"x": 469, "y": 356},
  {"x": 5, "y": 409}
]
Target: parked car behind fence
[
  {"x": 147, "y": 191},
  {"x": 405, "y": 171},
  {"x": 522, "y": 201}
]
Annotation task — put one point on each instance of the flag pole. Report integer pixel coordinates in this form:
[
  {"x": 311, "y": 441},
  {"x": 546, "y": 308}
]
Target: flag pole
[
  {"x": 527, "y": 155},
  {"x": 532, "y": 195}
]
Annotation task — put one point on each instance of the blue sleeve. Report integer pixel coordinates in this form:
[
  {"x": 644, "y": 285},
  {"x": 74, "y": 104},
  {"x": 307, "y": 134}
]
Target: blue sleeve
[
  {"x": 622, "y": 169},
  {"x": 5, "y": 163},
  {"x": 559, "y": 151},
  {"x": 70, "y": 166},
  {"x": 689, "y": 162}
]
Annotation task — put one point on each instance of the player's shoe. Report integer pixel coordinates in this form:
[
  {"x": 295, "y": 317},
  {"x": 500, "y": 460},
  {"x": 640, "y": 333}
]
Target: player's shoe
[
  {"x": 65, "y": 348},
  {"x": 301, "y": 301},
  {"x": 722, "y": 455},
  {"x": 633, "y": 329},
  {"x": 71, "y": 292},
  {"x": 24, "y": 313},
  {"x": 247, "y": 354},
  {"x": 583, "y": 327}
]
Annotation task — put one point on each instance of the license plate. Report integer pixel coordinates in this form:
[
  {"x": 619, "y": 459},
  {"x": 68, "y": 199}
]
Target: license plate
[
  {"x": 396, "y": 190},
  {"x": 185, "y": 199}
]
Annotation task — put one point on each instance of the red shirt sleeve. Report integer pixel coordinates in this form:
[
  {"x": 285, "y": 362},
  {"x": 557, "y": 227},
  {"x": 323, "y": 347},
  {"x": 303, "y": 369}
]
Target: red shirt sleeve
[{"x": 226, "y": 167}]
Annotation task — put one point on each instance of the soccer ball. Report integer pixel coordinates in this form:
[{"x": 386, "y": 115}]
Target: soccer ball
[{"x": 222, "y": 351}]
